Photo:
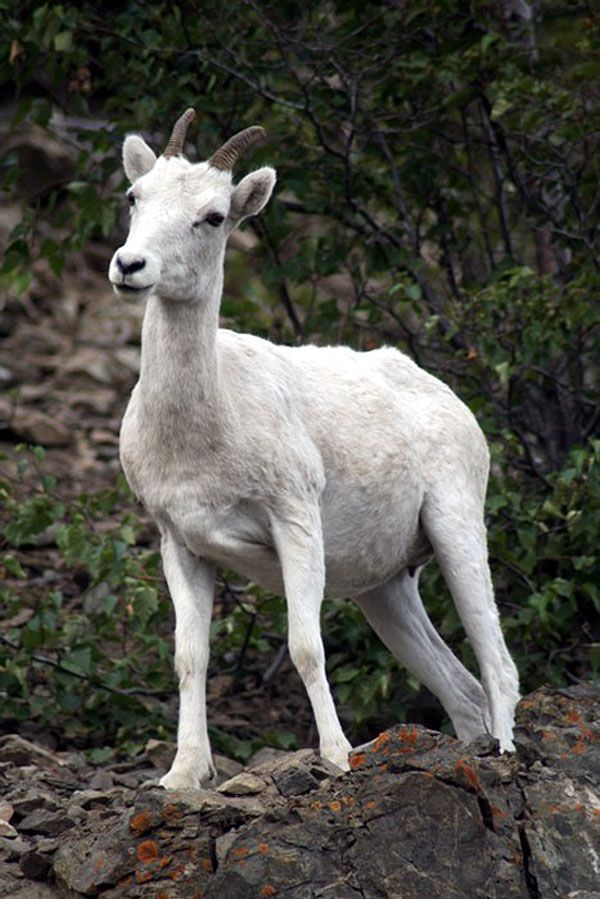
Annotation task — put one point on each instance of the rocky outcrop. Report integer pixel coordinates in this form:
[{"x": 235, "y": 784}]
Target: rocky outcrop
[{"x": 419, "y": 814}]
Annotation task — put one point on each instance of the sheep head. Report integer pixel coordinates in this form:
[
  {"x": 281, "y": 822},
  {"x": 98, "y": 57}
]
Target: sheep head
[{"x": 182, "y": 213}]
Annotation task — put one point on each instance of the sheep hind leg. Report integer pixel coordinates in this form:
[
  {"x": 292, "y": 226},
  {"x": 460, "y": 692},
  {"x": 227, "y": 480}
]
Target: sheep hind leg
[
  {"x": 396, "y": 613},
  {"x": 457, "y": 534}
]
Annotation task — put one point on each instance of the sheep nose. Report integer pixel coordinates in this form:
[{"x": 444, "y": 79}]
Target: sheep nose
[{"x": 129, "y": 263}]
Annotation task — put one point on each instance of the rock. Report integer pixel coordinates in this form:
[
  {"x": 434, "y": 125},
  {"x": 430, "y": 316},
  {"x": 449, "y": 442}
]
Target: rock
[
  {"x": 87, "y": 799},
  {"x": 102, "y": 781},
  {"x": 295, "y": 773},
  {"x": 293, "y": 782},
  {"x": 6, "y": 810},
  {"x": 7, "y": 830},
  {"x": 160, "y": 753},
  {"x": 6, "y": 377},
  {"x": 225, "y": 766},
  {"x": 12, "y": 849},
  {"x": 34, "y": 800},
  {"x": 21, "y": 752},
  {"x": 86, "y": 864},
  {"x": 36, "y": 891},
  {"x": 44, "y": 160},
  {"x": 266, "y": 754},
  {"x": 34, "y": 865},
  {"x": 46, "y": 822},
  {"x": 242, "y": 785},
  {"x": 419, "y": 814},
  {"x": 36, "y": 427}
]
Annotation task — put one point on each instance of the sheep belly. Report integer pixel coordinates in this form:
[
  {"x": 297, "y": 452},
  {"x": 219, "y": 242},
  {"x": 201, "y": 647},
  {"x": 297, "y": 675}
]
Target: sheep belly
[{"x": 365, "y": 543}]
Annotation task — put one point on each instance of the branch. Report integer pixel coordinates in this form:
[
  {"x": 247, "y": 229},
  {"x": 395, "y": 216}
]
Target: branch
[{"x": 58, "y": 666}]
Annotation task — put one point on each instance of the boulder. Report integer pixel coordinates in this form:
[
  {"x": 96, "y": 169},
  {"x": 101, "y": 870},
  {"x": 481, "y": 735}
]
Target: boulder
[{"x": 419, "y": 814}]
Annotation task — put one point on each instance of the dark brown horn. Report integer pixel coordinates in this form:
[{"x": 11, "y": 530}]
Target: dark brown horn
[
  {"x": 175, "y": 145},
  {"x": 226, "y": 156}
]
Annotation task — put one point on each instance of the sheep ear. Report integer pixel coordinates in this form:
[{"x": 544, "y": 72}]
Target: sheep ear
[
  {"x": 138, "y": 158},
  {"x": 252, "y": 194}
]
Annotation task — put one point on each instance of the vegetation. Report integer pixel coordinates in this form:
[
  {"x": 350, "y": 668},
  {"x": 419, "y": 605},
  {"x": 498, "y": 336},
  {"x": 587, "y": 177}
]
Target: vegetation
[{"x": 439, "y": 191}]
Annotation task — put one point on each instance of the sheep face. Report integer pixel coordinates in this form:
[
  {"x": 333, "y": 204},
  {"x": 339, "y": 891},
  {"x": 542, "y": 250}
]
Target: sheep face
[{"x": 181, "y": 216}]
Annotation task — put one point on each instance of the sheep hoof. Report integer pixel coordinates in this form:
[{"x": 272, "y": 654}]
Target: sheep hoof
[
  {"x": 338, "y": 755},
  {"x": 187, "y": 779}
]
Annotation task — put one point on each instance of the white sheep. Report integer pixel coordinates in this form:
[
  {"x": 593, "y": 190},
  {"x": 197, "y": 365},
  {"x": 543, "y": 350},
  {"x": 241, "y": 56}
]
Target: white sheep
[{"x": 309, "y": 470}]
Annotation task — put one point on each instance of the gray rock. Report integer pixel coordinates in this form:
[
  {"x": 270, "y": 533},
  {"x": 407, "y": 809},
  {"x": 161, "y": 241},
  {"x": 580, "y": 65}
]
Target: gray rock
[
  {"x": 12, "y": 849},
  {"x": 86, "y": 864},
  {"x": 35, "y": 865},
  {"x": 242, "y": 784},
  {"x": 6, "y": 810},
  {"x": 46, "y": 822},
  {"x": 225, "y": 766},
  {"x": 419, "y": 814},
  {"x": 7, "y": 830},
  {"x": 160, "y": 753},
  {"x": 102, "y": 781}
]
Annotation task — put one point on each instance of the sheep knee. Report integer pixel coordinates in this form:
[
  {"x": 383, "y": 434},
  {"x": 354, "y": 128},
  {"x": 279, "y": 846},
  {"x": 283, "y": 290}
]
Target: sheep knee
[
  {"x": 308, "y": 657},
  {"x": 191, "y": 658}
]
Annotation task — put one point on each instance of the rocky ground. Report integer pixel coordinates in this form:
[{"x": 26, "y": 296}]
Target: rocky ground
[{"x": 419, "y": 814}]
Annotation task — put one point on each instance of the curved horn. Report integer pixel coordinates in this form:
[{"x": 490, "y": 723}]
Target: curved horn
[
  {"x": 226, "y": 156},
  {"x": 175, "y": 144}
]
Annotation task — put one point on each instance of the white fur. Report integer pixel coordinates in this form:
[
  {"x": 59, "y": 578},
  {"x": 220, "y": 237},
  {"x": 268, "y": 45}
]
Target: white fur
[{"x": 309, "y": 470}]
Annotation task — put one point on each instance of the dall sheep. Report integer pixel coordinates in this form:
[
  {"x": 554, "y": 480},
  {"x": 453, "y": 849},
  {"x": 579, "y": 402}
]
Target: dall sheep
[{"x": 309, "y": 470}]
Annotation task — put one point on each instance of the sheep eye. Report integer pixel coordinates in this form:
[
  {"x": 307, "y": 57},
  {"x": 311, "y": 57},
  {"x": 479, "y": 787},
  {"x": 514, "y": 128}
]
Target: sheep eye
[
  {"x": 131, "y": 199},
  {"x": 215, "y": 219}
]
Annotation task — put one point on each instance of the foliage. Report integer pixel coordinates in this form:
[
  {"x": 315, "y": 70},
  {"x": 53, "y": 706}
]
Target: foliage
[
  {"x": 94, "y": 664},
  {"x": 439, "y": 191}
]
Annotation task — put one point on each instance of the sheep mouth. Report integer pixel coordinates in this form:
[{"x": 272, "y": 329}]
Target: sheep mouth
[{"x": 129, "y": 289}]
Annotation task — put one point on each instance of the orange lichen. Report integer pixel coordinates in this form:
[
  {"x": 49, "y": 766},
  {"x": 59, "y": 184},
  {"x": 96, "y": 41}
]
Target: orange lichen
[
  {"x": 370, "y": 804},
  {"x": 147, "y": 852},
  {"x": 176, "y": 873},
  {"x": 380, "y": 741},
  {"x": 207, "y": 865},
  {"x": 268, "y": 890},
  {"x": 165, "y": 860},
  {"x": 409, "y": 735},
  {"x": 263, "y": 848},
  {"x": 141, "y": 823},
  {"x": 461, "y": 767},
  {"x": 143, "y": 876},
  {"x": 357, "y": 761},
  {"x": 335, "y": 806},
  {"x": 316, "y": 805},
  {"x": 172, "y": 813}
]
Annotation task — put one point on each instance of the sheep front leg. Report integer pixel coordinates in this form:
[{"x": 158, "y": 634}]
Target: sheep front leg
[
  {"x": 300, "y": 551},
  {"x": 191, "y": 583}
]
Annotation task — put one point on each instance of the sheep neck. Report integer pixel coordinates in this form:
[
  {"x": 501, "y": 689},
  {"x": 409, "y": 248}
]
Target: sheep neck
[{"x": 179, "y": 377}]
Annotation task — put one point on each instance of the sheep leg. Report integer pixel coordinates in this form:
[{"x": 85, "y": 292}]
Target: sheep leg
[
  {"x": 191, "y": 583},
  {"x": 300, "y": 551},
  {"x": 397, "y": 615},
  {"x": 457, "y": 534}
]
